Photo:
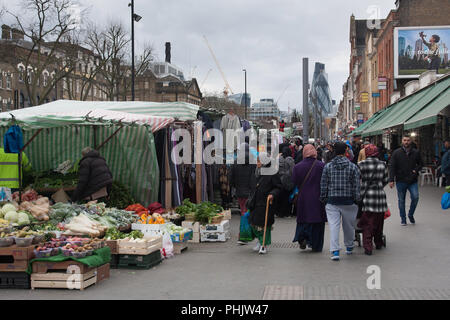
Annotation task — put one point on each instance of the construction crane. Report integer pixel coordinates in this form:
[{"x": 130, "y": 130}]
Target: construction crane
[
  {"x": 227, "y": 85},
  {"x": 281, "y": 95},
  {"x": 204, "y": 80}
]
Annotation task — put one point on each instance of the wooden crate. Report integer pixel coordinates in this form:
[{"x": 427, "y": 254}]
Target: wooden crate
[
  {"x": 103, "y": 272},
  {"x": 140, "y": 248},
  {"x": 113, "y": 245},
  {"x": 15, "y": 259},
  {"x": 61, "y": 280},
  {"x": 46, "y": 266},
  {"x": 179, "y": 247}
]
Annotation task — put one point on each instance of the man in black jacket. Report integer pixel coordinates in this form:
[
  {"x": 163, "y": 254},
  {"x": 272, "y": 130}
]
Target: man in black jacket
[
  {"x": 404, "y": 169},
  {"x": 94, "y": 177}
]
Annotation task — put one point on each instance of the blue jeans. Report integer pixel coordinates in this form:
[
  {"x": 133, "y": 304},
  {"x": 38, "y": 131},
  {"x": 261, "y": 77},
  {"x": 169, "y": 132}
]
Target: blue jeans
[{"x": 413, "y": 188}]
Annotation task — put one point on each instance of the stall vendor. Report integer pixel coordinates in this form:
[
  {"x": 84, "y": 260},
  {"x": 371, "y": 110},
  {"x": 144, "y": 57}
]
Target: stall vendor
[
  {"x": 95, "y": 178},
  {"x": 9, "y": 172}
]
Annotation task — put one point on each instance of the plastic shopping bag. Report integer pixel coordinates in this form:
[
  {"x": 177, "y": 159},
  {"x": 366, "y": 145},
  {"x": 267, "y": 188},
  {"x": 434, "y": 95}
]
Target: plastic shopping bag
[
  {"x": 167, "y": 249},
  {"x": 245, "y": 231},
  {"x": 387, "y": 214},
  {"x": 293, "y": 195},
  {"x": 5, "y": 194},
  {"x": 445, "y": 201}
]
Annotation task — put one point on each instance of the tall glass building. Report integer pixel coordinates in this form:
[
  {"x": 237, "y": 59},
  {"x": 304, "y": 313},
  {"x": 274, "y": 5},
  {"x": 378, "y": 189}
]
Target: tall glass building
[
  {"x": 320, "y": 89},
  {"x": 239, "y": 98}
]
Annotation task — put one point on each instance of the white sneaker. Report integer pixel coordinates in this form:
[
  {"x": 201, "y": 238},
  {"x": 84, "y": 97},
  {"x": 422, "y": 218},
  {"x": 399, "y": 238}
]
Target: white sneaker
[
  {"x": 263, "y": 250},
  {"x": 257, "y": 247}
]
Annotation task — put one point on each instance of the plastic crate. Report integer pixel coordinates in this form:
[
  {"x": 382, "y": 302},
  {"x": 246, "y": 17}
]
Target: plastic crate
[
  {"x": 138, "y": 261},
  {"x": 15, "y": 280}
]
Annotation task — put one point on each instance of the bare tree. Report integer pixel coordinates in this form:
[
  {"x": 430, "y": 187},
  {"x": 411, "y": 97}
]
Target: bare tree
[
  {"x": 45, "y": 57},
  {"x": 111, "y": 44}
]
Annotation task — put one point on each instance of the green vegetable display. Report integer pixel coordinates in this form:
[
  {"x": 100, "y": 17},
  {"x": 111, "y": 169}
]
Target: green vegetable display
[
  {"x": 114, "y": 234},
  {"x": 204, "y": 211},
  {"x": 120, "y": 197}
]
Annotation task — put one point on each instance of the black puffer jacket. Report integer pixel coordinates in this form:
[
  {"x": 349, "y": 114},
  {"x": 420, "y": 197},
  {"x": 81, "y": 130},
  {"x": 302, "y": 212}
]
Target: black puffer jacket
[
  {"x": 265, "y": 185},
  {"x": 402, "y": 165},
  {"x": 93, "y": 175},
  {"x": 243, "y": 179}
]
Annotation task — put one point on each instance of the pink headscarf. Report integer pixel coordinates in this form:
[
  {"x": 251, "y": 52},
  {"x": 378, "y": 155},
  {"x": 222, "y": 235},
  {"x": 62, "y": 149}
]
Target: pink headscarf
[
  {"x": 309, "y": 151},
  {"x": 371, "y": 150}
]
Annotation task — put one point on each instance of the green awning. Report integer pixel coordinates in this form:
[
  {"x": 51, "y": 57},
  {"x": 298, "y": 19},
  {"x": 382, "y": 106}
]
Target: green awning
[
  {"x": 406, "y": 108},
  {"x": 370, "y": 122},
  {"x": 428, "y": 115}
]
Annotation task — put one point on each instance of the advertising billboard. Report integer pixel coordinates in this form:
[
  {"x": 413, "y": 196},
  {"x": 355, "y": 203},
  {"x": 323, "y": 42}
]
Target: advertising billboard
[{"x": 419, "y": 49}]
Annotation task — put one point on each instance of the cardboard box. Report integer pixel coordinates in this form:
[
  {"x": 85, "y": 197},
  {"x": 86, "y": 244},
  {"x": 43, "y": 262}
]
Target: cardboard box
[
  {"x": 226, "y": 214},
  {"x": 215, "y": 237},
  {"x": 195, "y": 226},
  {"x": 221, "y": 227}
]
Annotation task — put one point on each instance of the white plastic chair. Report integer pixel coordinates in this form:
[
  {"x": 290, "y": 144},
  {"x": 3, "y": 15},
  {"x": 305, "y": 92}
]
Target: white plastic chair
[
  {"x": 426, "y": 175},
  {"x": 439, "y": 181}
]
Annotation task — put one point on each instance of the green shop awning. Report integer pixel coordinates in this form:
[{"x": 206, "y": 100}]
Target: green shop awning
[
  {"x": 370, "y": 122},
  {"x": 428, "y": 115},
  {"x": 406, "y": 108}
]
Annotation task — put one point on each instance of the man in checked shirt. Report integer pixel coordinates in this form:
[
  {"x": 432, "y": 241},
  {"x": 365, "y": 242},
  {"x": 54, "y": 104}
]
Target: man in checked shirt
[{"x": 340, "y": 191}]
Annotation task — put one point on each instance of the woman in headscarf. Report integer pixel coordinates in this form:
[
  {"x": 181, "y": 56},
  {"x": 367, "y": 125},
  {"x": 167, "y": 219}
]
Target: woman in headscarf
[
  {"x": 286, "y": 167},
  {"x": 311, "y": 215},
  {"x": 374, "y": 176}
]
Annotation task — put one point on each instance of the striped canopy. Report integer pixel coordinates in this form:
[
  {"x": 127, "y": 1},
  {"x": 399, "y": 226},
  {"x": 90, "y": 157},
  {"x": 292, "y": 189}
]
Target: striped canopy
[{"x": 67, "y": 112}]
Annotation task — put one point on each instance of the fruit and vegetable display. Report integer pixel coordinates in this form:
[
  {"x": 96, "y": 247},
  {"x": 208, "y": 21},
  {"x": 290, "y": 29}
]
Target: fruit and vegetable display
[
  {"x": 155, "y": 218},
  {"x": 114, "y": 234},
  {"x": 186, "y": 208},
  {"x": 119, "y": 197},
  {"x": 203, "y": 212},
  {"x": 54, "y": 180},
  {"x": 27, "y": 195},
  {"x": 39, "y": 208}
]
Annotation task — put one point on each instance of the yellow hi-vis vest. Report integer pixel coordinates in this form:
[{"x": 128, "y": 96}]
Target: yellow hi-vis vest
[{"x": 9, "y": 172}]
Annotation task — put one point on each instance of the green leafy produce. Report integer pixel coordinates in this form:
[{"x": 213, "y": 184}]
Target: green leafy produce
[
  {"x": 186, "y": 208},
  {"x": 23, "y": 219},
  {"x": 114, "y": 234},
  {"x": 206, "y": 211},
  {"x": 119, "y": 197}
]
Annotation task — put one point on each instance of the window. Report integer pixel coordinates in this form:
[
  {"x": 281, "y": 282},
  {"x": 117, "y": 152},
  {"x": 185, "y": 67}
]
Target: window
[
  {"x": 45, "y": 82},
  {"x": 8, "y": 81},
  {"x": 21, "y": 74}
]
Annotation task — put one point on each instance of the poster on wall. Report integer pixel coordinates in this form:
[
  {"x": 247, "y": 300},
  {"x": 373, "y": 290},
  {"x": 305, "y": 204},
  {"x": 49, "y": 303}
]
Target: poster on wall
[{"x": 419, "y": 49}]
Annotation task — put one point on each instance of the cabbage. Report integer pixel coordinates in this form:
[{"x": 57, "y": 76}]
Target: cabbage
[
  {"x": 8, "y": 207},
  {"x": 23, "y": 219},
  {"x": 12, "y": 216}
]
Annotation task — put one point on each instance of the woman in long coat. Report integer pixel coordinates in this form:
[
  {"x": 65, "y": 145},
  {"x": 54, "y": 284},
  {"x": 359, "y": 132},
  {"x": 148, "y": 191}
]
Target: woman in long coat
[
  {"x": 374, "y": 176},
  {"x": 266, "y": 185},
  {"x": 311, "y": 215}
]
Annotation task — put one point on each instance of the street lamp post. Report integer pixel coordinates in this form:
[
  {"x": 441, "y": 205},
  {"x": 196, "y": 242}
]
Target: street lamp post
[
  {"x": 134, "y": 17},
  {"x": 245, "y": 94}
]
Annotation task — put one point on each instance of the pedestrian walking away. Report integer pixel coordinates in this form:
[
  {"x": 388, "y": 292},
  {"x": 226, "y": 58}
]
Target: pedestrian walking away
[
  {"x": 340, "y": 191},
  {"x": 445, "y": 165},
  {"x": 374, "y": 177},
  {"x": 243, "y": 179},
  {"x": 283, "y": 207},
  {"x": 311, "y": 216},
  {"x": 404, "y": 168},
  {"x": 267, "y": 187}
]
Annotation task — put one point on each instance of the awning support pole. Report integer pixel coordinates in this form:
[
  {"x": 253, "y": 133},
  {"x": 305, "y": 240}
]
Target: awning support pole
[{"x": 109, "y": 138}]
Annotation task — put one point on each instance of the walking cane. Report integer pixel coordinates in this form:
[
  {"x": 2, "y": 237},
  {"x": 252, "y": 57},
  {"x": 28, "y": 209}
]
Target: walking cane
[{"x": 265, "y": 222}]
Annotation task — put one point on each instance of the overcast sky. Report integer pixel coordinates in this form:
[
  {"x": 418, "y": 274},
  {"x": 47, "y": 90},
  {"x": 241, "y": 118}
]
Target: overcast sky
[{"x": 269, "y": 38}]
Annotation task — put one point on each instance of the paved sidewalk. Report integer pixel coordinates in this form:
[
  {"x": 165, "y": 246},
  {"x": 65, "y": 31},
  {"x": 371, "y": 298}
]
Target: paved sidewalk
[{"x": 415, "y": 265}]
